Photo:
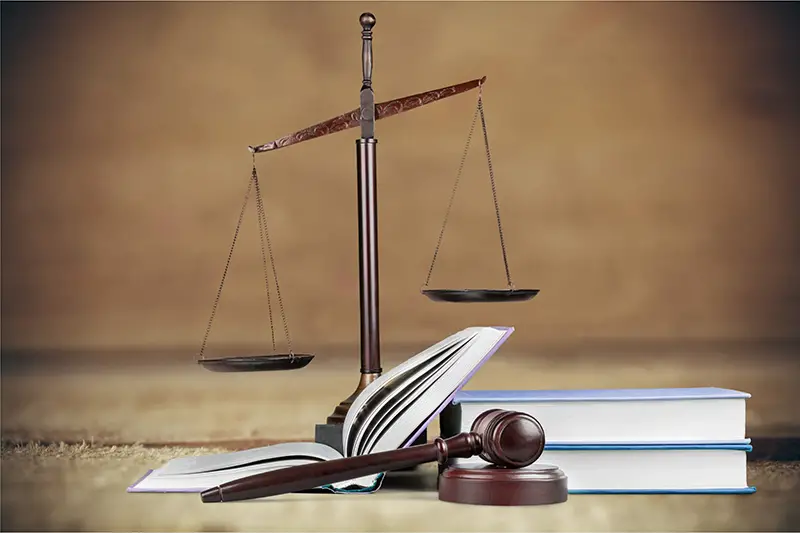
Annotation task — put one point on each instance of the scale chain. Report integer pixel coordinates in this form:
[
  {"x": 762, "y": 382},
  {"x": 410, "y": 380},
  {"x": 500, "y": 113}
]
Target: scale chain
[
  {"x": 261, "y": 223},
  {"x": 478, "y": 110},
  {"x": 452, "y": 196},
  {"x": 494, "y": 192},
  {"x": 264, "y": 234},
  {"x": 225, "y": 271},
  {"x": 263, "y": 217}
]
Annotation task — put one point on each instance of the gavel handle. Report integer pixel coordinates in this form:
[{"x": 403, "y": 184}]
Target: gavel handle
[{"x": 305, "y": 477}]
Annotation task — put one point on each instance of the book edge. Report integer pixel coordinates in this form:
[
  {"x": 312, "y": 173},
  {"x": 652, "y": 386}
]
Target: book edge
[
  {"x": 746, "y": 447},
  {"x": 508, "y": 330},
  {"x": 721, "y": 491},
  {"x": 132, "y": 487},
  {"x": 585, "y": 395},
  {"x": 374, "y": 486}
]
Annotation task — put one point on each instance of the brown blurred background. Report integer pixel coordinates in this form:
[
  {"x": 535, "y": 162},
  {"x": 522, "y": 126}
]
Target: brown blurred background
[
  {"x": 646, "y": 158},
  {"x": 647, "y": 172}
]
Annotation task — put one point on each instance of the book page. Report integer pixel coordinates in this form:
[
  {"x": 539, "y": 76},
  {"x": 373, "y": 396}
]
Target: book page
[
  {"x": 198, "y": 482},
  {"x": 400, "y": 388},
  {"x": 275, "y": 452},
  {"x": 363, "y": 420},
  {"x": 212, "y": 478},
  {"x": 395, "y": 405},
  {"x": 360, "y": 409},
  {"x": 376, "y": 409},
  {"x": 438, "y": 394}
]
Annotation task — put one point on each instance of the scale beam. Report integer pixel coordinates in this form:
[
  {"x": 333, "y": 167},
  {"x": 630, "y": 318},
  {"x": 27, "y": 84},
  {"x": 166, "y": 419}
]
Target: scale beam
[{"x": 351, "y": 119}]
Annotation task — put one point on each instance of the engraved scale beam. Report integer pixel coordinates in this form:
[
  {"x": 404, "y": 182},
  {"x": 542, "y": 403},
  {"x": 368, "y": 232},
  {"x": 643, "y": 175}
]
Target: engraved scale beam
[{"x": 352, "y": 118}]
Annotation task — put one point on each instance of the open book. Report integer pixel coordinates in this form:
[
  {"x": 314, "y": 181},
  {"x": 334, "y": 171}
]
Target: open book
[{"x": 389, "y": 414}]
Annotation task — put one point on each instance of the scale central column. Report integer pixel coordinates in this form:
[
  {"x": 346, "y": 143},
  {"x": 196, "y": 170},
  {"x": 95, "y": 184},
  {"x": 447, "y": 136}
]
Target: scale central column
[
  {"x": 367, "y": 273},
  {"x": 368, "y": 256},
  {"x": 331, "y": 433}
]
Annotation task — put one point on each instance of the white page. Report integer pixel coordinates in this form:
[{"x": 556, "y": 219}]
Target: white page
[
  {"x": 216, "y": 477},
  {"x": 376, "y": 386},
  {"x": 412, "y": 385},
  {"x": 390, "y": 414},
  {"x": 394, "y": 404},
  {"x": 441, "y": 390},
  {"x": 209, "y": 463}
]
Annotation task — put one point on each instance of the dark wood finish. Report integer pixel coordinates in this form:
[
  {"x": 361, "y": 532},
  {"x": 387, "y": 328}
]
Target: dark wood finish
[
  {"x": 341, "y": 410},
  {"x": 368, "y": 255},
  {"x": 367, "y": 118},
  {"x": 367, "y": 186},
  {"x": 492, "y": 485},
  {"x": 504, "y": 438},
  {"x": 480, "y": 295},
  {"x": 257, "y": 363},
  {"x": 351, "y": 119},
  {"x": 509, "y": 438}
]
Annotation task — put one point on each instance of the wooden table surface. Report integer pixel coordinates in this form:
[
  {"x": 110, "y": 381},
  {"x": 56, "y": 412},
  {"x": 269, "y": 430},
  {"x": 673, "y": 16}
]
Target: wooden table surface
[
  {"x": 77, "y": 488},
  {"x": 171, "y": 400}
]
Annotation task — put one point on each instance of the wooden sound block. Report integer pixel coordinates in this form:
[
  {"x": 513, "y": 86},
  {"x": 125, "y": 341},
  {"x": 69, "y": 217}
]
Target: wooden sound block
[{"x": 492, "y": 485}]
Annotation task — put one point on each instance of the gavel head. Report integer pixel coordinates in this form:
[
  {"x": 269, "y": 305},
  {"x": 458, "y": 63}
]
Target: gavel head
[{"x": 508, "y": 438}]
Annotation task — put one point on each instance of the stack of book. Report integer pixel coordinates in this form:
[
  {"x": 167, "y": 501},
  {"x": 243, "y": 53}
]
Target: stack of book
[{"x": 627, "y": 441}]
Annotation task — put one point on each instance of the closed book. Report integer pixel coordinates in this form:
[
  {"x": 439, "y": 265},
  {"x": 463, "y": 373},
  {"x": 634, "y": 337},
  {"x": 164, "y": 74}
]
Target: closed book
[
  {"x": 711, "y": 468},
  {"x": 688, "y": 415}
]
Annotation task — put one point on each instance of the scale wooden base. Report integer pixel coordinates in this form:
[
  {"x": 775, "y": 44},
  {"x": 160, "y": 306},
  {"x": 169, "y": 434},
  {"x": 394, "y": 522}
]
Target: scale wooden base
[{"x": 493, "y": 485}]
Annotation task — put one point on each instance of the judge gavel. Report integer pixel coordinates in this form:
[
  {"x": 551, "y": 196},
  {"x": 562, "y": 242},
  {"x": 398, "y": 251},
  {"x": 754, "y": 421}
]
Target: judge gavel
[{"x": 505, "y": 439}]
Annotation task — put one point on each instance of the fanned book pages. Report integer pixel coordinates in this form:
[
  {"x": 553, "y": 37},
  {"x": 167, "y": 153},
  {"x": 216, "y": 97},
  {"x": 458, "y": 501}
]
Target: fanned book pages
[{"x": 389, "y": 414}]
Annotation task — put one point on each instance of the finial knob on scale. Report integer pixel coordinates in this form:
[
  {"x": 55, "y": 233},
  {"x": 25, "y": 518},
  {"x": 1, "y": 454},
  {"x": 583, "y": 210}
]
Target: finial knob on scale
[
  {"x": 367, "y": 96},
  {"x": 367, "y": 21}
]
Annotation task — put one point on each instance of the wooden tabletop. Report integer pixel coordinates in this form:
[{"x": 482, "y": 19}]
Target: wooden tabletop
[{"x": 83, "y": 488}]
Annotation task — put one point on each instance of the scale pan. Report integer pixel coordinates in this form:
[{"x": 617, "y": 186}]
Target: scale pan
[
  {"x": 257, "y": 363},
  {"x": 480, "y": 295}
]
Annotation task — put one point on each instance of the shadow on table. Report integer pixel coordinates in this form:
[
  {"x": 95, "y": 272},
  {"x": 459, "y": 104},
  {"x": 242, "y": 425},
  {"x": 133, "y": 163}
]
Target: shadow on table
[{"x": 417, "y": 480}]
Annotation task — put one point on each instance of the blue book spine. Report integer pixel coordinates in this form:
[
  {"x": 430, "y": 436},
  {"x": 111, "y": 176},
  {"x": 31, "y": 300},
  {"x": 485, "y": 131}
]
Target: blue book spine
[
  {"x": 743, "y": 445},
  {"x": 746, "y": 490}
]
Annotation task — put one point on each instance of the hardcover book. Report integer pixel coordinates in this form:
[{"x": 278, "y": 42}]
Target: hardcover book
[
  {"x": 704, "y": 414},
  {"x": 636, "y": 468},
  {"x": 628, "y": 441}
]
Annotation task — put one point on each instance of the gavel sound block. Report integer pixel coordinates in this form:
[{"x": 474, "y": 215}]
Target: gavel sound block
[{"x": 509, "y": 440}]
